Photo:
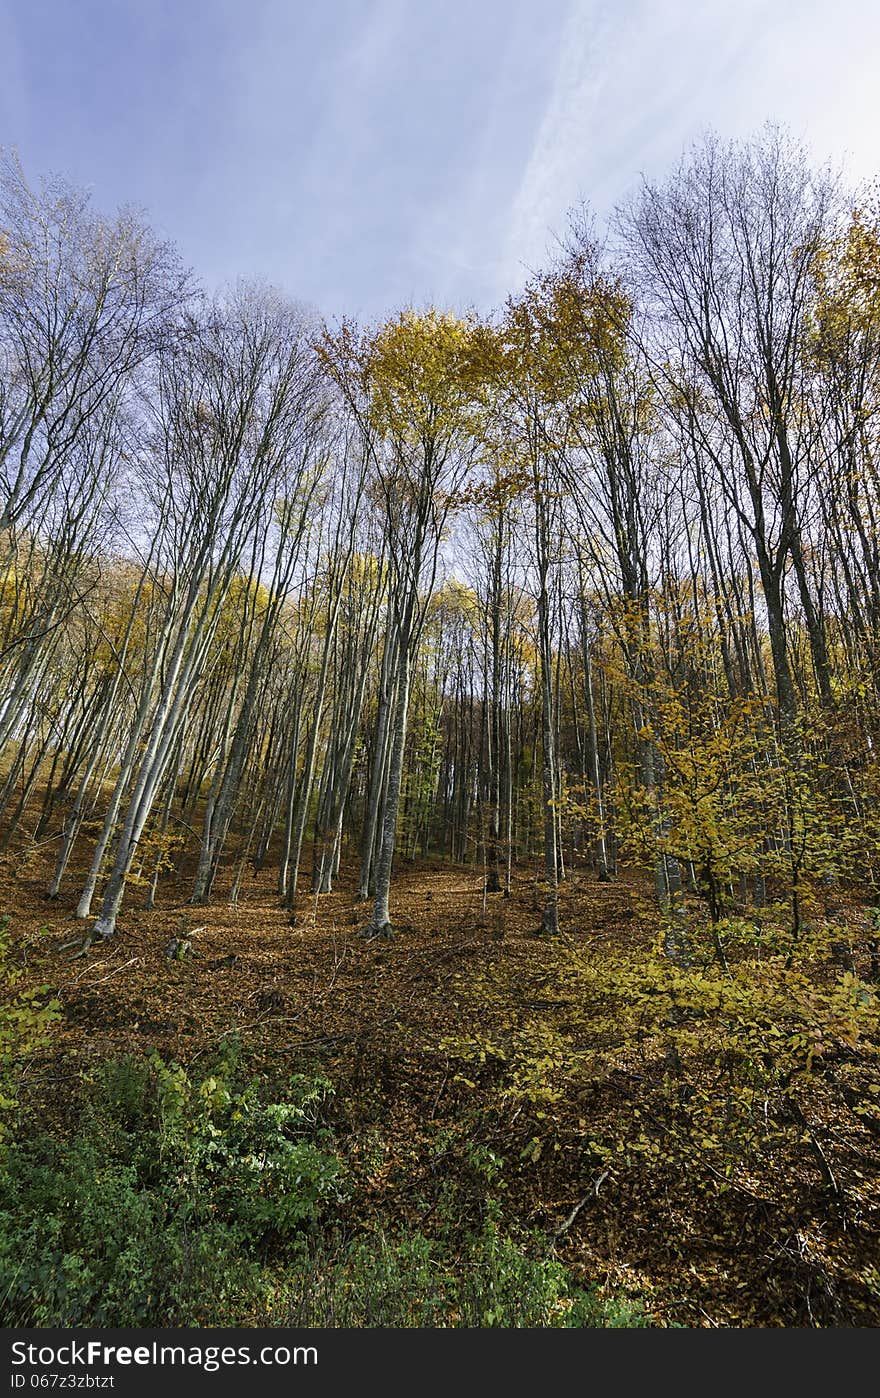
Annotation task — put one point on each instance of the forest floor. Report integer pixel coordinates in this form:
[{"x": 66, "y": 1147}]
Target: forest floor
[{"x": 472, "y": 1058}]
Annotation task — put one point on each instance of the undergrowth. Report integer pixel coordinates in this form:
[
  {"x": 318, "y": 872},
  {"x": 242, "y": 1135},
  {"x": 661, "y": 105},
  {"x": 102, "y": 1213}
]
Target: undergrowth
[{"x": 178, "y": 1199}]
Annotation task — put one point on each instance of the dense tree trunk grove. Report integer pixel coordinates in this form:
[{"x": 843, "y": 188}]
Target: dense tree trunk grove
[{"x": 594, "y": 580}]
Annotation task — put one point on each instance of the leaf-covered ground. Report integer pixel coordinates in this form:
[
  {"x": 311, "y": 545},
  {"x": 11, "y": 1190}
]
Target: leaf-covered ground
[{"x": 704, "y": 1138}]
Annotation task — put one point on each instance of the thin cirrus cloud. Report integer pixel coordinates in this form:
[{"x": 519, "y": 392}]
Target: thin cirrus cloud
[
  {"x": 636, "y": 83},
  {"x": 367, "y": 154}
]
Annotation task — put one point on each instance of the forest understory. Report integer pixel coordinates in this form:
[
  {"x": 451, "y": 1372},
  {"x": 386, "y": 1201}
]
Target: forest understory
[{"x": 702, "y": 1141}]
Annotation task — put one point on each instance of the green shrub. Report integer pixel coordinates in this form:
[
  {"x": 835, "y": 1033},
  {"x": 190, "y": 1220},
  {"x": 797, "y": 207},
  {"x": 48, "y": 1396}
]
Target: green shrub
[
  {"x": 414, "y": 1282},
  {"x": 182, "y": 1200},
  {"x": 157, "y": 1209}
]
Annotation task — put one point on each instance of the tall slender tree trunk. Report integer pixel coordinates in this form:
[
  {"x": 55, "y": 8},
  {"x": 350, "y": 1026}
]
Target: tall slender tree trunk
[{"x": 380, "y": 922}]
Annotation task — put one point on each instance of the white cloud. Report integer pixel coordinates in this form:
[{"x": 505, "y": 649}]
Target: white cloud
[
  {"x": 637, "y": 81},
  {"x": 549, "y": 181}
]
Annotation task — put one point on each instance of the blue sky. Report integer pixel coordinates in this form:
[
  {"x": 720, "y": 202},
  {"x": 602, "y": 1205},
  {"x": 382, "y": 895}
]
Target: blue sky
[{"x": 366, "y": 154}]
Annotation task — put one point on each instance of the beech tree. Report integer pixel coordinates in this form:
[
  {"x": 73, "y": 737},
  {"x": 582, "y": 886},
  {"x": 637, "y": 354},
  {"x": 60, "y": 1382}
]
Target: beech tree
[
  {"x": 724, "y": 253},
  {"x": 233, "y": 403},
  {"x": 83, "y": 302},
  {"x": 409, "y": 386}
]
